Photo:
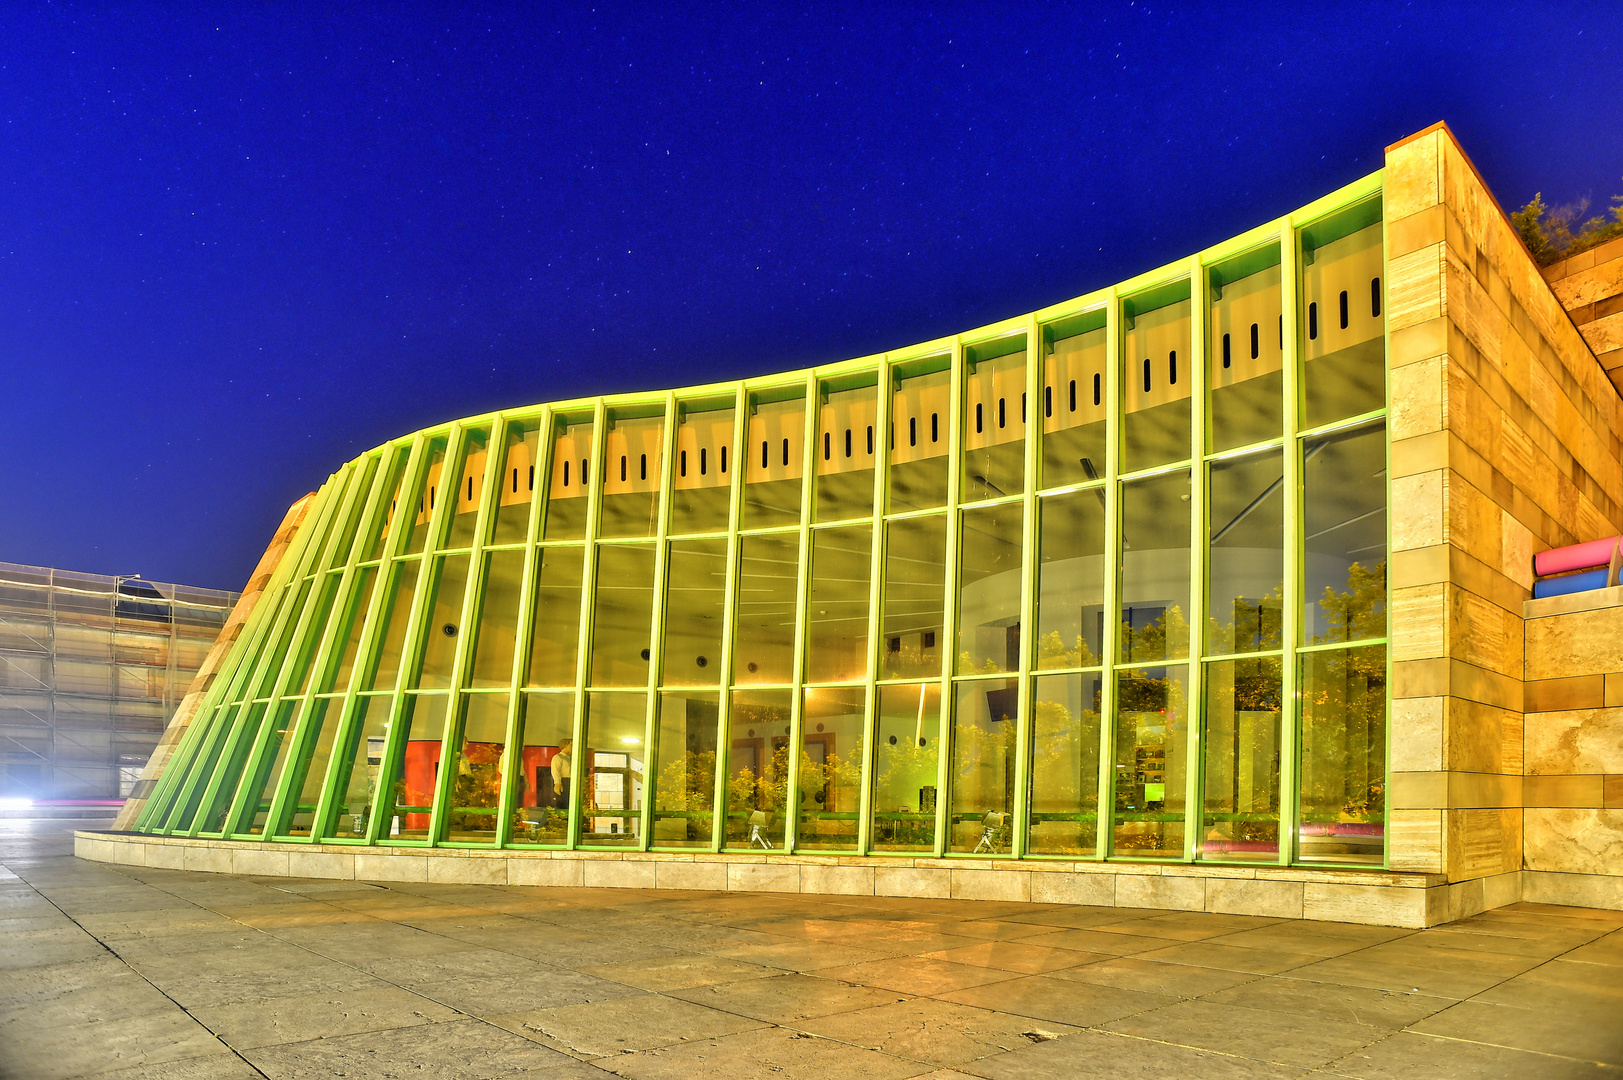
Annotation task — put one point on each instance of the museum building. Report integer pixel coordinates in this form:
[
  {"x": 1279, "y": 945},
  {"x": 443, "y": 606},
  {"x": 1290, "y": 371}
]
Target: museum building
[{"x": 1209, "y": 589}]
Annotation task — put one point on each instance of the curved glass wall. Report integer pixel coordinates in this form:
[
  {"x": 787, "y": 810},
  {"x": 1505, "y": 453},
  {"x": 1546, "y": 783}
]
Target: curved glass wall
[{"x": 1104, "y": 582}]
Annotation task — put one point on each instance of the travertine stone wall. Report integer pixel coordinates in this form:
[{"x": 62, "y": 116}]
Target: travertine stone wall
[
  {"x": 1504, "y": 443},
  {"x": 1590, "y": 287},
  {"x": 234, "y": 623}
]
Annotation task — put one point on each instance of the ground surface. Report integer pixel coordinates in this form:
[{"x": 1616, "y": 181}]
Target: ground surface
[{"x": 125, "y": 973}]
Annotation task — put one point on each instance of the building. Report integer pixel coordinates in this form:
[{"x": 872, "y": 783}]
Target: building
[
  {"x": 92, "y": 669},
  {"x": 1206, "y": 590}
]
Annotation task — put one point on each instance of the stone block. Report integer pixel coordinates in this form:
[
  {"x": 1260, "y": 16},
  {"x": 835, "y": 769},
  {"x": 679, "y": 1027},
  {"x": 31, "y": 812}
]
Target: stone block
[
  {"x": 1501, "y": 890},
  {"x": 1573, "y": 890},
  {"x": 1419, "y": 453},
  {"x": 1419, "y": 622},
  {"x": 545, "y": 871},
  {"x": 922, "y": 882},
  {"x": 837, "y": 880},
  {"x": 167, "y": 856},
  {"x": 777, "y": 877},
  {"x": 391, "y": 867},
  {"x": 1008, "y": 885},
  {"x": 1414, "y": 290},
  {"x": 1237, "y": 896},
  {"x": 1574, "y": 741},
  {"x": 1415, "y": 231},
  {"x": 1172, "y": 893},
  {"x": 1417, "y": 511},
  {"x": 1415, "y": 840},
  {"x": 1422, "y": 341},
  {"x": 1577, "y": 643},
  {"x": 1420, "y": 566},
  {"x": 707, "y": 876},
  {"x": 1372, "y": 905},
  {"x": 1569, "y": 791},
  {"x": 1416, "y": 732},
  {"x": 1073, "y": 887},
  {"x": 207, "y": 859},
  {"x": 1412, "y": 178},
  {"x": 1573, "y": 840},
  {"x": 321, "y": 864},
  {"x": 466, "y": 870},
  {"x": 1551, "y": 695},
  {"x": 618, "y": 874}
]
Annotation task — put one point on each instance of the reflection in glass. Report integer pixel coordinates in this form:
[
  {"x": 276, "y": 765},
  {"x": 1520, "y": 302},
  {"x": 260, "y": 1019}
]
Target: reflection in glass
[
  {"x": 273, "y": 759},
  {"x": 1343, "y": 321},
  {"x": 1246, "y": 561},
  {"x": 555, "y": 638},
  {"x": 764, "y": 646},
  {"x": 396, "y": 612},
  {"x": 701, "y": 490},
  {"x": 426, "y": 496},
  {"x": 837, "y": 616},
  {"x": 1343, "y": 755},
  {"x": 567, "y": 502},
  {"x": 1240, "y": 819},
  {"x": 758, "y": 768},
  {"x": 995, "y": 421},
  {"x": 845, "y": 453},
  {"x": 358, "y": 768},
  {"x": 1065, "y": 765},
  {"x": 443, "y": 623},
  {"x": 685, "y": 780},
  {"x": 411, "y": 776},
  {"x": 775, "y": 456},
  {"x": 1344, "y": 535},
  {"x": 541, "y": 788},
  {"x": 612, "y": 791},
  {"x": 831, "y": 753},
  {"x": 350, "y": 627},
  {"x": 476, "y": 776},
  {"x": 1245, "y": 355},
  {"x": 517, "y": 478},
  {"x": 310, "y": 768},
  {"x": 1075, "y": 401},
  {"x": 915, "y": 595},
  {"x": 622, "y": 615},
  {"x": 1155, "y": 568},
  {"x": 468, "y": 491},
  {"x": 985, "y": 718},
  {"x": 989, "y": 590},
  {"x": 1071, "y": 580},
  {"x": 918, "y": 436},
  {"x": 631, "y": 476},
  {"x": 695, "y": 612},
  {"x": 1151, "y": 761},
  {"x": 1155, "y": 379},
  {"x": 905, "y": 780},
  {"x": 498, "y": 620}
]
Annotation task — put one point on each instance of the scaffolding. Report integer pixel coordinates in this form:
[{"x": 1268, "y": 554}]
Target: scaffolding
[{"x": 91, "y": 669}]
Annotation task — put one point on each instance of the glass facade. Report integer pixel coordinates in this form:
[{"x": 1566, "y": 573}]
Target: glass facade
[{"x": 876, "y": 608}]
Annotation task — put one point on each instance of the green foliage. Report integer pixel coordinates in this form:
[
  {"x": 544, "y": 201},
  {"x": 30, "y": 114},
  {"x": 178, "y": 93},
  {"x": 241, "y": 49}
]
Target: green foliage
[{"x": 1549, "y": 232}]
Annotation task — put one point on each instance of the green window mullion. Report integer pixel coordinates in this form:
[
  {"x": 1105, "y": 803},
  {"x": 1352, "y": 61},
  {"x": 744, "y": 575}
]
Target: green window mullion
[
  {"x": 884, "y": 387},
  {"x": 588, "y": 613},
  {"x": 735, "y": 516},
  {"x": 199, "y": 780},
  {"x": 803, "y": 580},
  {"x": 949, "y": 614},
  {"x": 1200, "y": 320},
  {"x": 1291, "y": 617},
  {"x": 167, "y": 801},
  {"x": 1110, "y": 638},
  {"x": 1036, "y": 379},
  {"x": 656, "y": 644}
]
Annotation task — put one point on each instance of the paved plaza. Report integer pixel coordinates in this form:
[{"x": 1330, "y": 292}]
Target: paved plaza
[{"x": 131, "y": 972}]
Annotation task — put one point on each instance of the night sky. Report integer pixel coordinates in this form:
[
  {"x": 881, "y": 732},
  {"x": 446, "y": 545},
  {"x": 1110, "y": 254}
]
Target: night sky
[{"x": 237, "y": 248}]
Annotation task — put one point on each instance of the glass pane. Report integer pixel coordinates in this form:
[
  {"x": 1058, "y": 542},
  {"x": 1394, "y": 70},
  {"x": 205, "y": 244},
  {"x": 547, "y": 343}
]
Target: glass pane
[
  {"x": 413, "y": 773},
  {"x": 1241, "y": 814},
  {"x": 995, "y": 427},
  {"x": 685, "y": 783},
  {"x": 396, "y": 611},
  {"x": 469, "y": 490},
  {"x": 758, "y": 768},
  {"x": 915, "y": 596},
  {"x": 427, "y": 493},
  {"x": 611, "y": 812},
  {"x": 271, "y": 763},
  {"x": 477, "y": 777},
  {"x": 1344, "y": 536},
  {"x": 542, "y": 788},
  {"x": 989, "y": 590},
  {"x": 351, "y": 625},
  {"x": 1155, "y": 569},
  {"x": 1074, "y": 408},
  {"x": 1071, "y": 580},
  {"x": 831, "y": 753},
  {"x": 1343, "y": 808},
  {"x": 388, "y": 514},
  {"x": 1065, "y": 766},
  {"x": 359, "y": 766},
  {"x": 211, "y": 813},
  {"x": 567, "y": 502},
  {"x": 622, "y": 615},
  {"x": 695, "y": 612},
  {"x": 518, "y": 483},
  {"x": 918, "y": 438},
  {"x": 845, "y": 454},
  {"x": 904, "y": 771},
  {"x": 1155, "y": 385},
  {"x": 631, "y": 472},
  {"x": 701, "y": 495},
  {"x": 310, "y": 768},
  {"x": 352, "y": 535},
  {"x": 443, "y": 623},
  {"x": 1246, "y": 351},
  {"x": 1246, "y": 566},
  {"x": 837, "y": 619},
  {"x": 1343, "y": 320},
  {"x": 776, "y": 449},
  {"x": 264, "y": 681},
  {"x": 767, "y": 580},
  {"x": 985, "y": 719},
  {"x": 498, "y": 620},
  {"x": 555, "y": 638},
  {"x": 1152, "y": 749},
  {"x": 301, "y": 655}
]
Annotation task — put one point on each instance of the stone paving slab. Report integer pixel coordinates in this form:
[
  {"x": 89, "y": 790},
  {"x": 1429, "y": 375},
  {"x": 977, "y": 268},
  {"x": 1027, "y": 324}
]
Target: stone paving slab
[{"x": 137, "y": 973}]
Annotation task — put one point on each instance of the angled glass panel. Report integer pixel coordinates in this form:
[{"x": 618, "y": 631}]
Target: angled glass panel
[
  {"x": 995, "y": 410},
  {"x": 845, "y": 451},
  {"x": 1155, "y": 568},
  {"x": 421, "y": 504},
  {"x": 272, "y": 762},
  {"x": 1246, "y": 563},
  {"x": 212, "y": 815},
  {"x": 695, "y": 612},
  {"x": 555, "y": 637},
  {"x": 1155, "y": 377},
  {"x": 837, "y": 615},
  {"x": 498, "y": 620},
  {"x": 764, "y": 649},
  {"x": 611, "y": 805},
  {"x": 774, "y": 456},
  {"x": 622, "y": 614},
  {"x": 389, "y": 514},
  {"x": 1065, "y": 765},
  {"x": 631, "y": 475},
  {"x": 352, "y": 620},
  {"x": 989, "y": 590},
  {"x": 194, "y": 812},
  {"x": 1246, "y": 351},
  {"x": 1343, "y": 755},
  {"x": 905, "y": 763},
  {"x": 920, "y": 405},
  {"x": 985, "y": 721},
  {"x": 396, "y": 613},
  {"x": 410, "y": 778},
  {"x": 702, "y": 490},
  {"x": 476, "y": 780},
  {"x": 517, "y": 478},
  {"x": 567, "y": 490},
  {"x": 1240, "y": 817},
  {"x": 685, "y": 764},
  {"x": 1151, "y": 761},
  {"x": 831, "y": 754},
  {"x": 1343, "y": 316},
  {"x": 359, "y": 767},
  {"x": 1071, "y": 580},
  {"x": 310, "y": 768},
  {"x": 1344, "y": 535},
  {"x": 758, "y": 769},
  {"x": 443, "y": 623},
  {"x": 468, "y": 490},
  {"x": 915, "y": 596},
  {"x": 301, "y": 655},
  {"x": 1075, "y": 401},
  {"x": 542, "y": 794}
]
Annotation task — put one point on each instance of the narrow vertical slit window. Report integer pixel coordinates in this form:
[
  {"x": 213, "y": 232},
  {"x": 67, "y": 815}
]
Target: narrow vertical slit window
[
  {"x": 1312, "y": 321},
  {"x": 1228, "y": 354},
  {"x": 1344, "y": 309},
  {"x": 1172, "y": 368},
  {"x": 1256, "y": 346},
  {"x": 1375, "y": 298}
]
